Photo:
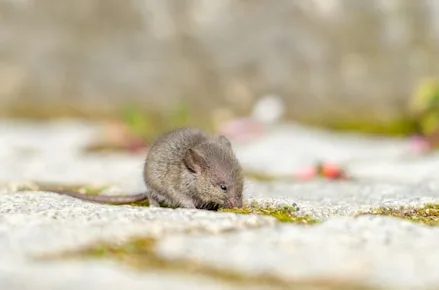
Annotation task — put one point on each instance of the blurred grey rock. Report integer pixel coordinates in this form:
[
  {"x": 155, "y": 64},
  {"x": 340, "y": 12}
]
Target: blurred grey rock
[{"x": 332, "y": 60}]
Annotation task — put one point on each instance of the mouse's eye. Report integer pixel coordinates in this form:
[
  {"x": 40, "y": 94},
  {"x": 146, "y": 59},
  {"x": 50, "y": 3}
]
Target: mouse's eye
[{"x": 223, "y": 187}]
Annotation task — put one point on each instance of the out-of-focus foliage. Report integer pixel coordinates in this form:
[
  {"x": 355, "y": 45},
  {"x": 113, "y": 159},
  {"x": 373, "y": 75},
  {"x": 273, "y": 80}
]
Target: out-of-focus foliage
[
  {"x": 148, "y": 124},
  {"x": 425, "y": 105}
]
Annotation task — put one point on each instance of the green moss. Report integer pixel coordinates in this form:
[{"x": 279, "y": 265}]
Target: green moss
[
  {"x": 142, "y": 126},
  {"x": 428, "y": 215},
  {"x": 284, "y": 214},
  {"x": 150, "y": 124},
  {"x": 139, "y": 253},
  {"x": 400, "y": 128},
  {"x": 424, "y": 105}
]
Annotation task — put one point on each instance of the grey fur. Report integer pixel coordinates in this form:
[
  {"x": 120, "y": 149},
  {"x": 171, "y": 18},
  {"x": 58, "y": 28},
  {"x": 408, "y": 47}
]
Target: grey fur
[{"x": 186, "y": 168}]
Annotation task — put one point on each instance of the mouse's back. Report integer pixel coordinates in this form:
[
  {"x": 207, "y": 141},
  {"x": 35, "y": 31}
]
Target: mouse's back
[
  {"x": 164, "y": 158},
  {"x": 174, "y": 144}
]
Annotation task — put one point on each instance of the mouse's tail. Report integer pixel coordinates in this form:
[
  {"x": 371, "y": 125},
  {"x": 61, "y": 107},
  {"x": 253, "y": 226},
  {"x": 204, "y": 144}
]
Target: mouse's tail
[{"x": 107, "y": 199}]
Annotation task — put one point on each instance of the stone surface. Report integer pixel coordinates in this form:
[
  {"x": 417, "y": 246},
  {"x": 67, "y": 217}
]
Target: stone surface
[
  {"x": 38, "y": 223},
  {"x": 55, "y": 222},
  {"x": 385, "y": 251},
  {"x": 53, "y": 152},
  {"x": 377, "y": 251},
  {"x": 283, "y": 150},
  {"x": 96, "y": 275},
  {"x": 324, "y": 199},
  {"x": 290, "y": 147}
]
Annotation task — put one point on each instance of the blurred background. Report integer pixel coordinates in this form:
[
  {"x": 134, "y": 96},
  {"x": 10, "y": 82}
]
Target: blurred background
[{"x": 368, "y": 66}]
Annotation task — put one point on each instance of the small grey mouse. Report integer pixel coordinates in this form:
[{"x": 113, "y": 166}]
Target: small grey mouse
[{"x": 186, "y": 168}]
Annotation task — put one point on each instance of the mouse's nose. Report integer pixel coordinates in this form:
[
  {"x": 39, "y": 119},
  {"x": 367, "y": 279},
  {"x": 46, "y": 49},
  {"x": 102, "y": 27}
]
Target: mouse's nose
[{"x": 232, "y": 203}]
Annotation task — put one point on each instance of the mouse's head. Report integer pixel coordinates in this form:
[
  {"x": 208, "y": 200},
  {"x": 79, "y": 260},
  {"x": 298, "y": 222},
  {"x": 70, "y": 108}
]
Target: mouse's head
[{"x": 218, "y": 174}]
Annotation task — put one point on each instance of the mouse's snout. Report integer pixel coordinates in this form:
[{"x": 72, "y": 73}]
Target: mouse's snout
[{"x": 233, "y": 203}]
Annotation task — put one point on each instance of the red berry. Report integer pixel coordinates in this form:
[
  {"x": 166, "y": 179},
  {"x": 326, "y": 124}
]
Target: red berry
[{"x": 331, "y": 171}]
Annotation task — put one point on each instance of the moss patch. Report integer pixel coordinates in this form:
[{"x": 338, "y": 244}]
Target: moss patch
[
  {"x": 150, "y": 124},
  {"x": 427, "y": 215},
  {"x": 395, "y": 128},
  {"x": 133, "y": 129},
  {"x": 139, "y": 253},
  {"x": 286, "y": 214},
  {"x": 401, "y": 127}
]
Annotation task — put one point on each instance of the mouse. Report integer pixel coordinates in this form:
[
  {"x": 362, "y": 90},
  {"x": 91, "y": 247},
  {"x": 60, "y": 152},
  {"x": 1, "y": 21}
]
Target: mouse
[{"x": 186, "y": 168}]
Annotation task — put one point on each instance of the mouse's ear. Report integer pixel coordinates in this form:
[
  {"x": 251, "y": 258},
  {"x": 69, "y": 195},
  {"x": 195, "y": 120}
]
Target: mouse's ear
[
  {"x": 223, "y": 140},
  {"x": 194, "y": 161}
]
